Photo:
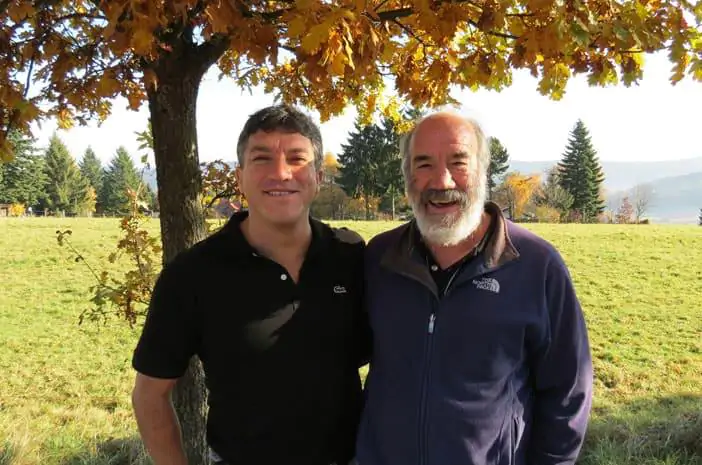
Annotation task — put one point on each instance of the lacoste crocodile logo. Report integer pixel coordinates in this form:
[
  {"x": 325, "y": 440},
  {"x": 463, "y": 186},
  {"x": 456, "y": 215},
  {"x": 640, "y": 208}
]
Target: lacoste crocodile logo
[{"x": 339, "y": 290}]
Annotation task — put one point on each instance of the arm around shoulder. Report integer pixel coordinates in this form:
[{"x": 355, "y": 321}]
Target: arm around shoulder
[{"x": 563, "y": 376}]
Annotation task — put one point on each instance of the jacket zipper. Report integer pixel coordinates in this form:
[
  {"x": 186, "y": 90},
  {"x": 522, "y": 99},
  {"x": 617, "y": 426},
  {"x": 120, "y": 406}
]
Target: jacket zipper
[
  {"x": 423, "y": 430},
  {"x": 423, "y": 422}
]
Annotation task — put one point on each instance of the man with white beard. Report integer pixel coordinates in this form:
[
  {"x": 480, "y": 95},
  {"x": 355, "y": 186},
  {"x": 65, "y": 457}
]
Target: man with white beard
[{"x": 481, "y": 353}]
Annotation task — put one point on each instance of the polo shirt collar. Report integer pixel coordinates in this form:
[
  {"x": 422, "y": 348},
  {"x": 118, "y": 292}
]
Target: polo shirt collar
[{"x": 242, "y": 247}]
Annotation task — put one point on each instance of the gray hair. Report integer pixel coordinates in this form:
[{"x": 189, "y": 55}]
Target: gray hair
[{"x": 483, "y": 153}]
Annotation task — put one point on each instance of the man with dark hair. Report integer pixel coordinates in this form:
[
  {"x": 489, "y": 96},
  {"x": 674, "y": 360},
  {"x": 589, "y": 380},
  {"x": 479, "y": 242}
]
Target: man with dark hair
[
  {"x": 272, "y": 306},
  {"x": 480, "y": 353}
]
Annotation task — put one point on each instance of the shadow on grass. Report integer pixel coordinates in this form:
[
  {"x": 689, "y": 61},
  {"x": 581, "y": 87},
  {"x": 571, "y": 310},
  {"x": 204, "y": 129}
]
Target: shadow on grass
[
  {"x": 654, "y": 431},
  {"x": 126, "y": 451},
  {"x": 8, "y": 453}
]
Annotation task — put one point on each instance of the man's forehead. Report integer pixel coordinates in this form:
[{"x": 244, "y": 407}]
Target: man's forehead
[
  {"x": 277, "y": 134},
  {"x": 433, "y": 139},
  {"x": 278, "y": 139}
]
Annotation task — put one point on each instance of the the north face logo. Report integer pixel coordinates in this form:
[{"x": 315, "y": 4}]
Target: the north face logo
[{"x": 487, "y": 284}]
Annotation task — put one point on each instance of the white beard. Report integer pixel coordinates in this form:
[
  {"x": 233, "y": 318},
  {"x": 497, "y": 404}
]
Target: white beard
[{"x": 451, "y": 229}]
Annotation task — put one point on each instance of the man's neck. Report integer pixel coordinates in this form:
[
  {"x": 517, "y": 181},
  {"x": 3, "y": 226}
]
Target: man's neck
[
  {"x": 446, "y": 256},
  {"x": 285, "y": 245}
]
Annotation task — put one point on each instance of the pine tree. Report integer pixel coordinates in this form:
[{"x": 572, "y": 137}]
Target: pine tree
[
  {"x": 499, "y": 163},
  {"x": 552, "y": 195},
  {"x": 581, "y": 174},
  {"x": 66, "y": 189},
  {"x": 360, "y": 165},
  {"x": 700, "y": 219},
  {"x": 22, "y": 180},
  {"x": 390, "y": 164},
  {"x": 91, "y": 169},
  {"x": 120, "y": 176}
]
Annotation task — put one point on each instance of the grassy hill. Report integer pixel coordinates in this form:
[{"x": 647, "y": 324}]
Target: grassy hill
[{"x": 65, "y": 389}]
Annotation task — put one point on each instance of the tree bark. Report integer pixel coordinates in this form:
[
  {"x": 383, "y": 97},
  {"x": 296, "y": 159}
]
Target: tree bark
[{"x": 172, "y": 105}]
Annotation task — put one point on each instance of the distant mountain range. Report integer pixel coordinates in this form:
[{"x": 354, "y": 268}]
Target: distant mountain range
[
  {"x": 623, "y": 175},
  {"x": 676, "y": 185},
  {"x": 675, "y": 199}
]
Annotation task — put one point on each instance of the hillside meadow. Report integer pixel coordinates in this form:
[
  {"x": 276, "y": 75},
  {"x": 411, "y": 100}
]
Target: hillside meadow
[{"x": 65, "y": 388}]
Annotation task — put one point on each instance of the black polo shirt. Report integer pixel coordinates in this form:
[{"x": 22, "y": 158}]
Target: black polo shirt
[{"x": 281, "y": 359}]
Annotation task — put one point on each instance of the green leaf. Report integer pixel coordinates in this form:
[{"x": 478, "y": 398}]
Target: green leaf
[{"x": 582, "y": 37}]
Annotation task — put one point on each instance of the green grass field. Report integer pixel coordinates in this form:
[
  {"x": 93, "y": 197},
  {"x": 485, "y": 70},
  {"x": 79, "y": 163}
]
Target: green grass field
[{"x": 64, "y": 388}]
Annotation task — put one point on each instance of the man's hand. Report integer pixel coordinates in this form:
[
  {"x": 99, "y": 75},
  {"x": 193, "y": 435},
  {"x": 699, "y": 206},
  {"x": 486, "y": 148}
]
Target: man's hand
[{"x": 157, "y": 421}]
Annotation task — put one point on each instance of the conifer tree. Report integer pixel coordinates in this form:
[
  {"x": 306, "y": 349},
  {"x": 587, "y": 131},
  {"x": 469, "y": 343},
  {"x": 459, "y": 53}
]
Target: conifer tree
[
  {"x": 580, "y": 174},
  {"x": 119, "y": 176},
  {"x": 22, "y": 180},
  {"x": 499, "y": 162},
  {"x": 91, "y": 169},
  {"x": 67, "y": 190}
]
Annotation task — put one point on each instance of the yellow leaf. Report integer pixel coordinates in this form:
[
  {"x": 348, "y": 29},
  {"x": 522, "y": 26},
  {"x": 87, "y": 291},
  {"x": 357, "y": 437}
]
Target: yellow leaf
[
  {"x": 349, "y": 54},
  {"x": 28, "y": 51},
  {"x": 314, "y": 38},
  {"x": 135, "y": 100},
  {"x": 20, "y": 10},
  {"x": 451, "y": 59},
  {"x": 65, "y": 119},
  {"x": 141, "y": 41},
  {"x": 296, "y": 27},
  {"x": 150, "y": 79},
  {"x": 107, "y": 85},
  {"x": 6, "y": 153},
  {"x": 338, "y": 65},
  {"x": 29, "y": 111}
]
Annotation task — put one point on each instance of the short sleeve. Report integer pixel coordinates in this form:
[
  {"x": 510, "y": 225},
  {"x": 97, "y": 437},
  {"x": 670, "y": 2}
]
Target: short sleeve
[{"x": 171, "y": 332}]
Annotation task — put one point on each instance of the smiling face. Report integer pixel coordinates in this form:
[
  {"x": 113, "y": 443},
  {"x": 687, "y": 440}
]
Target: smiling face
[
  {"x": 278, "y": 176},
  {"x": 447, "y": 180}
]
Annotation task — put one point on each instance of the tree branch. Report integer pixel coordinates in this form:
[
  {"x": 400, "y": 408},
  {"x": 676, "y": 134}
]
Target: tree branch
[
  {"x": 493, "y": 33},
  {"x": 29, "y": 75},
  {"x": 394, "y": 14},
  {"x": 409, "y": 31},
  {"x": 80, "y": 15},
  {"x": 246, "y": 12},
  {"x": 209, "y": 52},
  {"x": 220, "y": 195}
]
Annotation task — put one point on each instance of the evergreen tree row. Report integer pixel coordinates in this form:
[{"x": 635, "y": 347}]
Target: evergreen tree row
[{"x": 53, "y": 182}]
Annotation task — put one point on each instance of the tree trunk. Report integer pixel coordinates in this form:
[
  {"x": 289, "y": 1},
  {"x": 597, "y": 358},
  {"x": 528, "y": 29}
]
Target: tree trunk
[
  {"x": 393, "y": 206},
  {"x": 172, "y": 105}
]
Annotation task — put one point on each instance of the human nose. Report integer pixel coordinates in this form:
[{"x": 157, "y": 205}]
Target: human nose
[
  {"x": 281, "y": 170},
  {"x": 443, "y": 180}
]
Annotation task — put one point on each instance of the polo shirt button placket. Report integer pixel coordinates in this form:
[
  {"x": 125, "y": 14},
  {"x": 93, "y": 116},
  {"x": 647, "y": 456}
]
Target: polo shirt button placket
[{"x": 283, "y": 277}]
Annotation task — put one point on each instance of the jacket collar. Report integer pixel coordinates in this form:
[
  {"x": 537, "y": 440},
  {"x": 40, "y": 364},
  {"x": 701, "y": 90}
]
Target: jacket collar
[{"x": 404, "y": 256}]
